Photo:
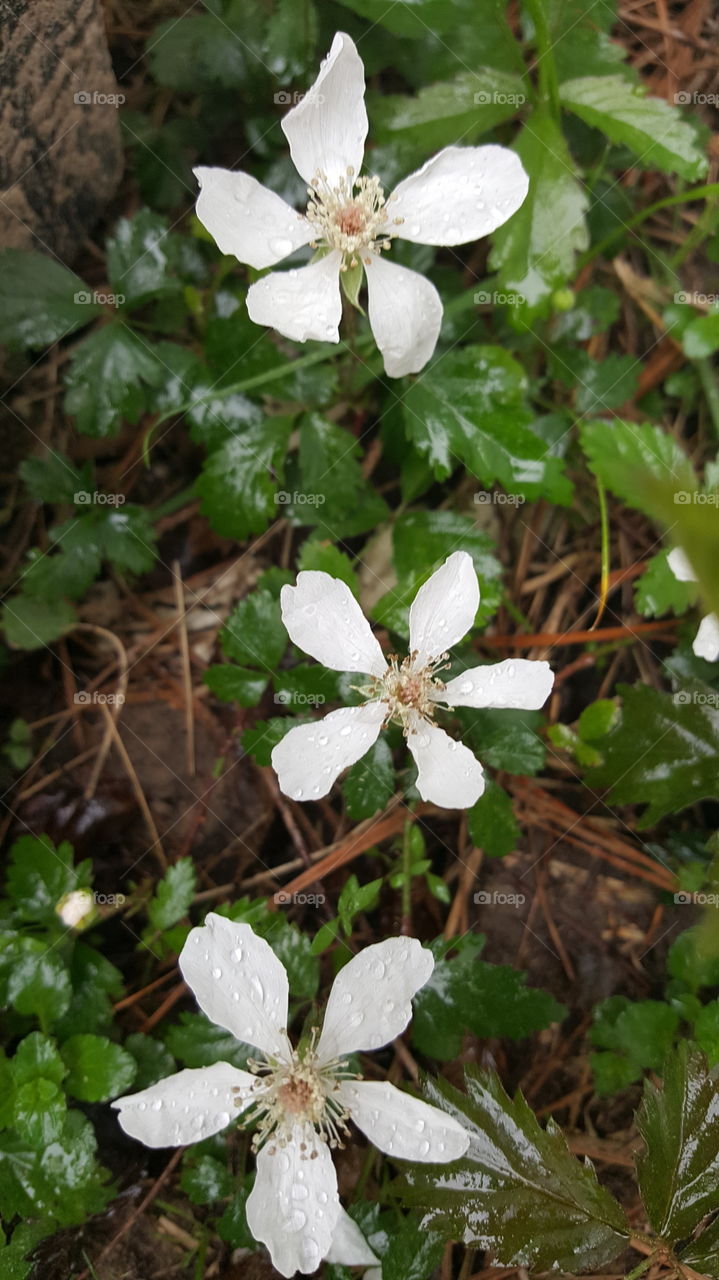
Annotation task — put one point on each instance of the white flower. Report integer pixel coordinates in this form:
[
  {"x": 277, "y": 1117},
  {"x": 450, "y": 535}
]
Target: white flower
[
  {"x": 462, "y": 193},
  {"x": 350, "y": 1249},
  {"x": 302, "y": 1100},
  {"x": 77, "y": 908},
  {"x": 706, "y": 640},
  {"x": 324, "y": 619}
]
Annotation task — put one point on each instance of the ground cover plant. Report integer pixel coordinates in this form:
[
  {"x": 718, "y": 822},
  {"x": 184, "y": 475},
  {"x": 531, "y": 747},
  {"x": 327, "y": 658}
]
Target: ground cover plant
[{"x": 360, "y": 737}]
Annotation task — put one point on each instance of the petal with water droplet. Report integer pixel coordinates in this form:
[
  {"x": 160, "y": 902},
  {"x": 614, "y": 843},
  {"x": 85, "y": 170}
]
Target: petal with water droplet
[
  {"x": 250, "y": 997},
  {"x": 248, "y": 220},
  {"x": 444, "y": 608},
  {"x": 517, "y": 683},
  {"x": 391, "y": 1120},
  {"x": 323, "y": 619},
  {"x": 405, "y": 314},
  {"x": 327, "y": 129},
  {"x": 349, "y": 1247},
  {"x": 449, "y": 775},
  {"x": 297, "y": 1229},
  {"x": 371, "y": 999},
  {"x": 462, "y": 193},
  {"x": 706, "y": 640},
  {"x": 311, "y": 757},
  {"x": 301, "y": 304},
  {"x": 186, "y": 1107}
]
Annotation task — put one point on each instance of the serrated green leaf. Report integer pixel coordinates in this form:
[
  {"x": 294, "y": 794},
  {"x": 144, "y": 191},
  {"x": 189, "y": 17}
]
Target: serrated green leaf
[
  {"x": 701, "y": 337},
  {"x": 152, "y": 1060},
  {"x": 52, "y": 477},
  {"x": 140, "y": 258},
  {"x": 107, "y": 380},
  {"x": 33, "y": 978},
  {"x": 173, "y": 895},
  {"x": 40, "y": 875},
  {"x": 369, "y": 785},
  {"x": 517, "y": 1191},
  {"x": 327, "y": 558},
  {"x": 235, "y": 684},
  {"x": 506, "y": 739},
  {"x": 39, "y": 1112},
  {"x": 620, "y": 453},
  {"x": 254, "y": 634},
  {"x": 491, "y": 822},
  {"x": 702, "y": 1254},
  {"x": 197, "y": 1042},
  {"x": 205, "y": 1180},
  {"x": 325, "y": 485},
  {"x": 468, "y": 105},
  {"x": 679, "y": 1170},
  {"x": 33, "y": 624},
  {"x": 40, "y": 300},
  {"x": 97, "y": 1068},
  {"x": 659, "y": 591},
  {"x": 654, "y": 131},
  {"x": 236, "y": 486},
  {"x": 36, "y": 1058}
]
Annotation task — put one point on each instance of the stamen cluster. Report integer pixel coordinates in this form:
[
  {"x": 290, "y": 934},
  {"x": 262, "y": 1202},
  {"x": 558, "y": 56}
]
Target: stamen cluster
[
  {"x": 350, "y": 217},
  {"x": 408, "y": 689}
]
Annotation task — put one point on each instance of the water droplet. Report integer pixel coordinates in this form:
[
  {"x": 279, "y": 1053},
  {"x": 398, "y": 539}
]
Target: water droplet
[
  {"x": 237, "y": 954},
  {"x": 466, "y": 686},
  {"x": 300, "y": 1193},
  {"x": 347, "y": 998},
  {"x": 294, "y": 1221},
  {"x": 281, "y": 246},
  {"x": 217, "y": 973},
  {"x": 379, "y": 969},
  {"x": 298, "y": 794},
  {"x": 142, "y": 1106},
  {"x": 323, "y": 739},
  {"x": 257, "y": 986},
  {"x": 345, "y": 730},
  {"x": 424, "y": 1147}
]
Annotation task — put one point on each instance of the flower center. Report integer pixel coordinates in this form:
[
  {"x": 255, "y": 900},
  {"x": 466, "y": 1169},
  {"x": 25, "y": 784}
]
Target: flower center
[
  {"x": 408, "y": 689},
  {"x": 350, "y": 217},
  {"x": 301, "y": 1091}
]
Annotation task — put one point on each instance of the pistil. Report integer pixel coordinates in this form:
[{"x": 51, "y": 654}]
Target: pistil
[{"x": 350, "y": 217}]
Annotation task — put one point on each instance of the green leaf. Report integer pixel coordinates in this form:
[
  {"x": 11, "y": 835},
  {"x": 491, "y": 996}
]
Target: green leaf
[
  {"x": 506, "y": 739},
  {"x": 52, "y": 477},
  {"x": 235, "y": 684},
  {"x": 644, "y": 1030},
  {"x": 71, "y": 1183},
  {"x": 706, "y": 1031},
  {"x": 693, "y": 960},
  {"x": 152, "y": 1060},
  {"x": 613, "y": 1072},
  {"x": 663, "y": 751},
  {"x": 37, "y": 1058},
  {"x": 597, "y": 719},
  {"x": 491, "y": 822},
  {"x": 200, "y": 52},
  {"x": 14, "y": 1260},
  {"x": 467, "y": 994},
  {"x": 33, "y": 978},
  {"x": 580, "y": 38},
  {"x": 307, "y": 685},
  {"x": 33, "y": 624},
  {"x": 517, "y": 1192},
  {"x": 107, "y": 378},
  {"x": 328, "y": 487},
  {"x": 173, "y": 895},
  {"x": 254, "y": 634},
  {"x": 139, "y": 258},
  {"x": 653, "y": 130},
  {"x": 97, "y": 1068},
  {"x": 40, "y": 875},
  {"x": 205, "y": 1180},
  {"x": 701, "y": 337},
  {"x": 465, "y": 107},
  {"x": 262, "y": 738},
  {"x": 411, "y": 1254},
  {"x": 197, "y": 1042},
  {"x": 620, "y": 453},
  {"x": 369, "y": 785},
  {"x": 39, "y": 1112},
  {"x": 702, "y": 1254},
  {"x": 232, "y": 1226},
  {"x": 468, "y": 407},
  {"x": 327, "y": 558},
  {"x": 534, "y": 252},
  {"x": 356, "y": 897},
  {"x": 95, "y": 983},
  {"x": 40, "y": 300},
  {"x": 236, "y": 487},
  {"x": 659, "y": 591},
  {"x": 679, "y": 1170},
  {"x": 294, "y": 949}
]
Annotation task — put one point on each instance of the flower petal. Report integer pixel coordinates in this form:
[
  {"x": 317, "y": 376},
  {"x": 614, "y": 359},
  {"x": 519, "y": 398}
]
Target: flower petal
[
  {"x": 444, "y": 609},
  {"x": 462, "y": 193},
  {"x": 516, "y": 682},
  {"x": 706, "y": 640},
  {"x": 248, "y": 220},
  {"x": 238, "y": 982},
  {"x": 349, "y": 1247},
  {"x": 294, "y": 1206},
  {"x": 449, "y": 774},
  {"x": 301, "y": 303},
  {"x": 400, "y": 1125},
  {"x": 186, "y": 1107},
  {"x": 678, "y": 562},
  {"x": 405, "y": 314},
  {"x": 371, "y": 998},
  {"x": 323, "y": 619},
  {"x": 327, "y": 129},
  {"x": 311, "y": 757}
]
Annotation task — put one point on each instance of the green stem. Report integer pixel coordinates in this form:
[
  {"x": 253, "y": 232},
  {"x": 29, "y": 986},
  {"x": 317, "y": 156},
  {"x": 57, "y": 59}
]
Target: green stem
[
  {"x": 643, "y": 1266},
  {"x": 604, "y": 518},
  {"x": 546, "y": 68},
  {"x": 709, "y": 387},
  {"x": 695, "y": 193}
]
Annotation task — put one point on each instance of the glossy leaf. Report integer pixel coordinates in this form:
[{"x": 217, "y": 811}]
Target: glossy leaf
[{"x": 40, "y": 300}]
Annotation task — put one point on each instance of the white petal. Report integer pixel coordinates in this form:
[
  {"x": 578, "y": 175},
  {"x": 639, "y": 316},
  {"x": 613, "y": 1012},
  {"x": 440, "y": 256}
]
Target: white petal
[
  {"x": 294, "y": 1206},
  {"x": 349, "y": 1247},
  {"x": 301, "y": 303},
  {"x": 327, "y": 130},
  {"x": 516, "y": 682},
  {"x": 449, "y": 774},
  {"x": 444, "y": 609},
  {"x": 186, "y": 1107},
  {"x": 371, "y": 998},
  {"x": 323, "y": 619},
  {"x": 405, "y": 314},
  {"x": 462, "y": 193},
  {"x": 706, "y": 641},
  {"x": 311, "y": 757},
  {"x": 238, "y": 982},
  {"x": 400, "y": 1125},
  {"x": 248, "y": 220},
  {"x": 679, "y": 564}
]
